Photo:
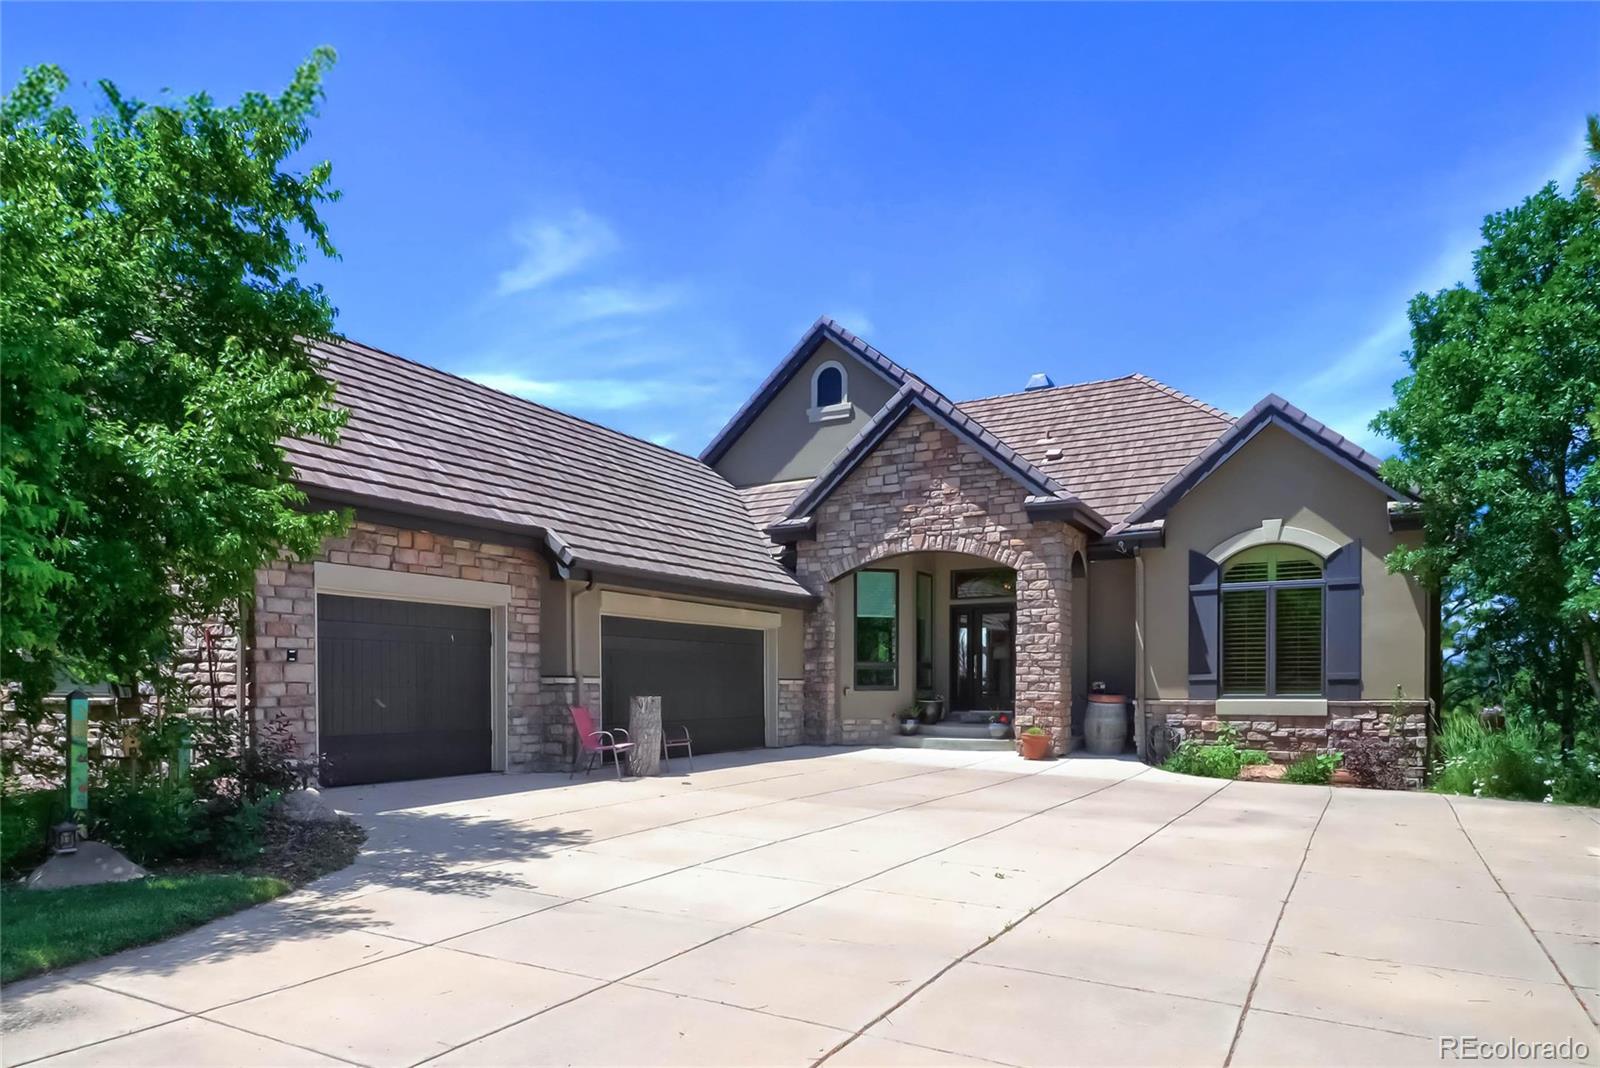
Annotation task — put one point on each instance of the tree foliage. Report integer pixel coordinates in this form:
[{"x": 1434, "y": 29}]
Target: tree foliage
[
  {"x": 1498, "y": 426},
  {"x": 152, "y": 326}
]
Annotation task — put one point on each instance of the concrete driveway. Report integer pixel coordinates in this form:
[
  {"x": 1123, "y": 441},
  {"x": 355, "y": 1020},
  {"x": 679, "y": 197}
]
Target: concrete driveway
[{"x": 875, "y": 907}]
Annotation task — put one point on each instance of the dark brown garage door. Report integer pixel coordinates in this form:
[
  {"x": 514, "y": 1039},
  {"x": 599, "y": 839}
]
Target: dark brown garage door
[
  {"x": 402, "y": 689},
  {"x": 708, "y": 678}
]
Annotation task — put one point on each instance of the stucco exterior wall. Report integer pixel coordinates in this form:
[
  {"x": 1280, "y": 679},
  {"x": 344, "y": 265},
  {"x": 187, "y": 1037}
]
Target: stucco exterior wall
[
  {"x": 924, "y": 490},
  {"x": 1277, "y": 476},
  {"x": 1111, "y": 625},
  {"x": 783, "y": 443}
]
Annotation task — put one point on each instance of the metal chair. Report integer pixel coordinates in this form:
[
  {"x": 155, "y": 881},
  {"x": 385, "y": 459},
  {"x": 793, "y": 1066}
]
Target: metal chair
[
  {"x": 591, "y": 745},
  {"x": 669, "y": 742}
]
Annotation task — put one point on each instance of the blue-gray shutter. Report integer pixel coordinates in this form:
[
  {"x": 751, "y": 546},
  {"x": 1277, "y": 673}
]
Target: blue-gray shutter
[
  {"x": 1343, "y": 614},
  {"x": 1205, "y": 578}
]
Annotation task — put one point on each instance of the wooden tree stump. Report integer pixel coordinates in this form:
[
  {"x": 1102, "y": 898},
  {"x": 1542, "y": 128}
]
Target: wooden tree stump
[{"x": 644, "y": 731}]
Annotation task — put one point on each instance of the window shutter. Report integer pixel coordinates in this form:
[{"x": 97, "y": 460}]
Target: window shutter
[
  {"x": 1204, "y": 576},
  {"x": 1343, "y": 574}
]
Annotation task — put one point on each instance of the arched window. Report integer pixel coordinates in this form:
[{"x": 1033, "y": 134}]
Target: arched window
[
  {"x": 830, "y": 393},
  {"x": 1272, "y": 617}
]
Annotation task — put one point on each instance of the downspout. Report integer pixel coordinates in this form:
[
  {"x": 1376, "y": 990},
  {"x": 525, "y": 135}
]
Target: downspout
[{"x": 1141, "y": 733}]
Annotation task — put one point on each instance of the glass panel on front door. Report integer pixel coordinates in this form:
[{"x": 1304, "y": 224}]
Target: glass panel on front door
[{"x": 983, "y": 658}]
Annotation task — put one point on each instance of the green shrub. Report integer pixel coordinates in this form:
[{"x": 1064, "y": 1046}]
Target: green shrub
[
  {"x": 1211, "y": 761},
  {"x": 26, "y": 817},
  {"x": 238, "y": 833},
  {"x": 150, "y": 820},
  {"x": 1473, "y": 759},
  {"x": 1248, "y": 757},
  {"x": 1313, "y": 769},
  {"x": 1518, "y": 762}
]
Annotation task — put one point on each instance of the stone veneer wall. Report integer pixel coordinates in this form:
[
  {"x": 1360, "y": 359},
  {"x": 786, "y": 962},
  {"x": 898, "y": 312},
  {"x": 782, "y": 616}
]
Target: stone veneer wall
[
  {"x": 924, "y": 490},
  {"x": 285, "y": 618},
  {"x": 1285, "y": 738},
  {"x": 791, "y": 711}
]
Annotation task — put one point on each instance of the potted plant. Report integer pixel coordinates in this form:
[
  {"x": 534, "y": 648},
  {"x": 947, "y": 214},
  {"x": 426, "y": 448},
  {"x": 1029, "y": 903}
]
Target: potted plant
[
  {"x": 1035, "y": 743},
  {"x": 1000, "y": 726},
  {"x": 909, "y": 720}
]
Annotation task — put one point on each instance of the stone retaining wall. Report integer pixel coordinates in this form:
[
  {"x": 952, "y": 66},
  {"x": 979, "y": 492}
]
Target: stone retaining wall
[{"x": 1286, "y": 738}]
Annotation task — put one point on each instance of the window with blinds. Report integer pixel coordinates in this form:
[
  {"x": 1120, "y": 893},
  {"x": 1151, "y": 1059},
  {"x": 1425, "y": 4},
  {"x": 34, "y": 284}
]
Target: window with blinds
[
  {"x": 1272, "y": 623},
  {"x": 1244, "y": 642}
]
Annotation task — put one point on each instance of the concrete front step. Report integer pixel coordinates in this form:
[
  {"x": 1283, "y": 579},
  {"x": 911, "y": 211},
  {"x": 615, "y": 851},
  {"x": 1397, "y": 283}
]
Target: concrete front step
[{"x": 932, "y": 741}]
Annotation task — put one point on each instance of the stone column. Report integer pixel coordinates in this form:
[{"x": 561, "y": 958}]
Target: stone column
[
  {"x": 819, "y": 722},
  {"x": 1044, "y": 639}
]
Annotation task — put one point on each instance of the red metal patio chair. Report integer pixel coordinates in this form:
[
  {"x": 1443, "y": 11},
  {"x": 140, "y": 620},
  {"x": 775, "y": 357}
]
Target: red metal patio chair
[{"x": 594, "y": 744}]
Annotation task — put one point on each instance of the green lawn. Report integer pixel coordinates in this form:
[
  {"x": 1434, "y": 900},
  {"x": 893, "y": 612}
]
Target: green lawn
[{"x": 44, "y": 929}]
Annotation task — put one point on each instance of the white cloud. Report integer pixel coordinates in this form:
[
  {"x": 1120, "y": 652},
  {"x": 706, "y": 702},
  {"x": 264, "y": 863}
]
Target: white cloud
[
  {"x": 592, "y": 394},
  {"x": 555, "y": 248},
  {"x": 854, "y": 320},
  {"x": 619, "y": 301},
  {"x": 664, "y": 439}
]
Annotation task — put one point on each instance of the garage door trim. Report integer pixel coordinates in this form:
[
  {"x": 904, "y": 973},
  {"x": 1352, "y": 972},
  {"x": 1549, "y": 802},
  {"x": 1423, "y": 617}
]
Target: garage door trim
[
  {"x": 349, "y": 581},
  {"x": 669, "y": 610}
]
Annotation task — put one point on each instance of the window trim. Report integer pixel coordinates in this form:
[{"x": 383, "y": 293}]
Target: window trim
[
  {"x": 831, "y": 413},
  {"x": 1271, "y": 587},
  {"x": 957, "y": 574},
  {"x": 892, "y": 664}
]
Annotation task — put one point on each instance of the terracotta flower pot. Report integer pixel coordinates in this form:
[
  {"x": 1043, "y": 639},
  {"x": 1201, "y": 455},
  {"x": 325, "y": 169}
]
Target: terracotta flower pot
[{"x": 1035, "y": 746}]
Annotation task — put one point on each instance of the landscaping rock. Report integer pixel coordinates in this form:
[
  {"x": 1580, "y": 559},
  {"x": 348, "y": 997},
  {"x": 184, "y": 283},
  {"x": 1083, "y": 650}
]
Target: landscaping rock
[
  {"x": 306, "y": 806},
  {"x": 93, "y": 863}
]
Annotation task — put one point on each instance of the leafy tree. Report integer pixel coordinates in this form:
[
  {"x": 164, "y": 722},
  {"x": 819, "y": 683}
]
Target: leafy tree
[
  {"x": 152, "y": 330},
  {"x": 1591, "y": 177},
  {"x": 1498, "y": 426}
]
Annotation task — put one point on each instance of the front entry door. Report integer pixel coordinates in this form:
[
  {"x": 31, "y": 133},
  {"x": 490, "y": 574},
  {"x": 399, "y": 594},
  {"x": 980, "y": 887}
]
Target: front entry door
[{"x": 983, "y": 661}]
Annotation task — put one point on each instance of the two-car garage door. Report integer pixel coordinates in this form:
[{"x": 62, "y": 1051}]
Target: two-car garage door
[
  {"x": 404, "y": 689},
  {"x": 708, "y": 678}
]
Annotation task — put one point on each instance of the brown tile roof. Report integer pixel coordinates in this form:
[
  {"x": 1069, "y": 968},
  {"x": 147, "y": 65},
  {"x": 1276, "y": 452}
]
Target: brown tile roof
[
  {"x": 1120, "y": 440},
  {"x": 1043, "y": 490},
  {"x": 768, "y": 502},
  {"x": 420, "y": 440}
]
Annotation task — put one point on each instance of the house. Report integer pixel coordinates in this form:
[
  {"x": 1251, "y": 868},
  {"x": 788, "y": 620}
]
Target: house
[{"x": 852, "y": 540}]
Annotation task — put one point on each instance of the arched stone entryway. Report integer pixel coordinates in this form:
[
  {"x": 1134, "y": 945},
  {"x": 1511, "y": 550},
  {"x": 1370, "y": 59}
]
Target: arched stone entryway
[{"x": 923, "y": 490}]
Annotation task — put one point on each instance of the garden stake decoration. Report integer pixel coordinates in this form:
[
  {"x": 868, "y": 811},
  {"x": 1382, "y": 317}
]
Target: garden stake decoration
[
  {"x": 78, "y": 754},
  {"x": 64, "y": 835}
]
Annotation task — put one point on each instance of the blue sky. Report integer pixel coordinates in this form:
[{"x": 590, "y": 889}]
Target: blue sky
[{"x": 632, "y": 212}]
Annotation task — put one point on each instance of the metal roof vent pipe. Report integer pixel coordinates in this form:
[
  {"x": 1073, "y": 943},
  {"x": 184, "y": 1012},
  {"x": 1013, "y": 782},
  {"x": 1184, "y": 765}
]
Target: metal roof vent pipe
[{"x": 1038, "y": 381}]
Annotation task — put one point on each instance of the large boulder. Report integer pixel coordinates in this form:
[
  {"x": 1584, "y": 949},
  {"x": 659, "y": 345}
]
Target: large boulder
[
  {"x": 94, "y": 862},
  {"x": 306, "y": 806}
]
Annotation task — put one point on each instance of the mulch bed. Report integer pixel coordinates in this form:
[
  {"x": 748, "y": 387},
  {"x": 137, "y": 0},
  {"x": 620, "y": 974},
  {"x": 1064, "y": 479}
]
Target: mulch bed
[{"x": 294, "y": 852}]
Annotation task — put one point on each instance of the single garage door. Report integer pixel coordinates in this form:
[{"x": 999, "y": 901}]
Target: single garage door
[
  {"x": 403, "y": 689},
  {"x": 709, "y": 678}
]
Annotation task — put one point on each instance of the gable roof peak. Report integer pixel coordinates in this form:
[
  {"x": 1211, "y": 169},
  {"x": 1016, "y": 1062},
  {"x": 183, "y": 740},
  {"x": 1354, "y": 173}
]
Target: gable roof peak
[{"x": 1271, "y": 410}]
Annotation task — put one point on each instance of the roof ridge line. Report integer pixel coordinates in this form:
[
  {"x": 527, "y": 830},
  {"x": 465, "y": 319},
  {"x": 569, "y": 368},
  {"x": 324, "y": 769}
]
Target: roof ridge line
[
  {"x": 1047, "y": 389},
  {"x": 1209, "y": 409}
]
